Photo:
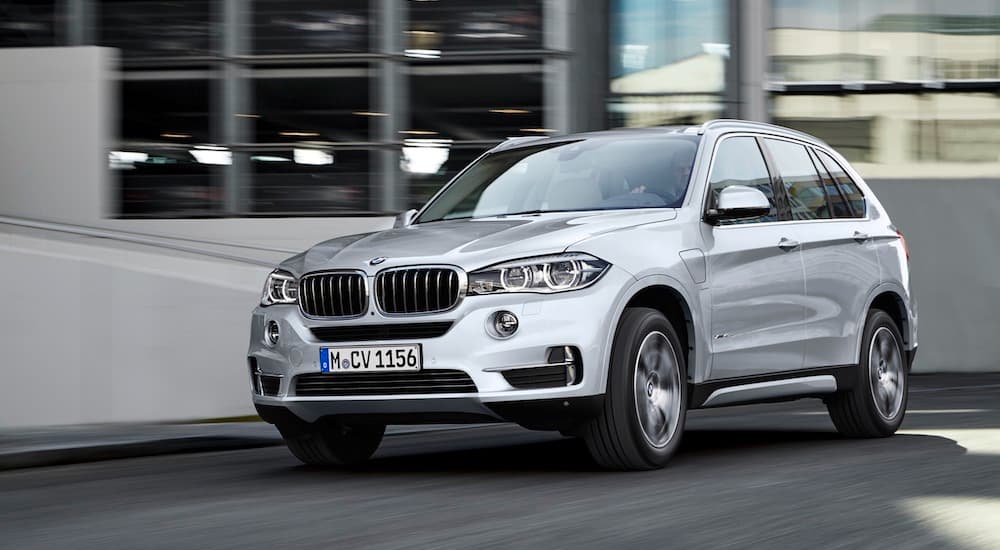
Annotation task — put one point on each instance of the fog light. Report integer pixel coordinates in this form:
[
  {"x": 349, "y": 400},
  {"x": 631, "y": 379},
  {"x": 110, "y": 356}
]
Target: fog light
[
  {"x": 504, "y": 324},
  {"x": 271, "y": 333}
]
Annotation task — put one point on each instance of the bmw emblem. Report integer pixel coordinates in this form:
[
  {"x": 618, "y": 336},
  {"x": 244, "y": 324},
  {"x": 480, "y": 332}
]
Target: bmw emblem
[{"x": 376, "y": 260}]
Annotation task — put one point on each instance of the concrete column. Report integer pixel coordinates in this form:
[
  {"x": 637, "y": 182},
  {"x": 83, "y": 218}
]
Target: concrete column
[
  {"x": 79, "y": 27},
  {"x": 389, "y": 95},
  {"x": 235, "y": 98},
  {"x": 556, "y": 15},
  {"x": 754, "y": 19},
  {"x": 588, "y": 65}
]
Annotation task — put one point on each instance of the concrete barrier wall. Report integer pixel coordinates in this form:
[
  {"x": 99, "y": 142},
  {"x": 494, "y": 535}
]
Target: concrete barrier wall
[
  {"x": 56, "y": 124},
  {"x": 953, "y": 229},
  {"x": 99, "y": 331}
]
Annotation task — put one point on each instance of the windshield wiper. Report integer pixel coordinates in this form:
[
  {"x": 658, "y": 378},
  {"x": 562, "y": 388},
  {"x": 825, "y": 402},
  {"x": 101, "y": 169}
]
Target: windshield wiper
[{"x": 527, "y": 213}]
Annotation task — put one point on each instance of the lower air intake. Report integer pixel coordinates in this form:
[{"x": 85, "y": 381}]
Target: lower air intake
[{"x": 384, "y": 383}]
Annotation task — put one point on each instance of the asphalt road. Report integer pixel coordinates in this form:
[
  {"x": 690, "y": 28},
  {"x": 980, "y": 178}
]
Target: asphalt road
[{"x": 773, "y": 476}]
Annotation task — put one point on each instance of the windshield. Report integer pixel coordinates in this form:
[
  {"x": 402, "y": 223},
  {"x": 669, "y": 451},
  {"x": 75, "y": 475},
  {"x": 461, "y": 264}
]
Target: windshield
[{"x": 603, "y": 173}]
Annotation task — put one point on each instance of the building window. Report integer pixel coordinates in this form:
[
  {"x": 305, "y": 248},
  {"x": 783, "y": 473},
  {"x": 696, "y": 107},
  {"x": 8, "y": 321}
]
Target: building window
[
  {"x": 157, "y": 28},
  {"x": 31, "y": 23},
  {"x": 310, "y": 26},
  {"x": 163, "y": 165},
  {"x": 904, "y": 89},
  {"x": 474, "y": 25},
  {"x": 667, "y": 61}
]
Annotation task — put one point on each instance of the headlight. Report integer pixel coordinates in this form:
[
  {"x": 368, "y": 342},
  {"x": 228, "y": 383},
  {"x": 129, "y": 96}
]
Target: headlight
[
  {"x": 281, "y": 288},
  {"x": 544, "y": 274}
]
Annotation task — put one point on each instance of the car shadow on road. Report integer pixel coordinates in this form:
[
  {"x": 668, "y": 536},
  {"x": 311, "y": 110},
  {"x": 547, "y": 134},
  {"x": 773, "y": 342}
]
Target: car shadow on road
[{"x": 457, "y": 453}]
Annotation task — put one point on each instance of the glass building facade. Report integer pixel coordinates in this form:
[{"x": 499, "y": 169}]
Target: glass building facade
[
  {"x": 668, "y": 62},
  {"x": 351, "y": 107},
  {"x": 904, "y": 88}
]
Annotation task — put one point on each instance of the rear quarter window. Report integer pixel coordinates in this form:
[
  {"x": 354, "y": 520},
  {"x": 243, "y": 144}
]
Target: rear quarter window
[{"x": 846, "y": 187}]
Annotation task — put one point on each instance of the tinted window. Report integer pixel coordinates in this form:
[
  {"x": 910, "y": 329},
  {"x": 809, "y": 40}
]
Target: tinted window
[
  {"x": 806, "y": 196},
  {"x": 604, "y": 173},
  {"x": 838, "y": 204},
  {"x": 150, "y": 28},
  {"x": 738, "y": 161},
  {"x": 846, "y": 186}
]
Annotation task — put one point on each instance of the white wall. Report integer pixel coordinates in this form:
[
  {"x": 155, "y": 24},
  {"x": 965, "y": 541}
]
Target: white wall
[
  {"x": 55, "y": 124},
  {"x": 952, "y": 227},
  {"x": 101, "y": 331}
]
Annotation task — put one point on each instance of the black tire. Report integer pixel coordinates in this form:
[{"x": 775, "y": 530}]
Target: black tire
[
  {"x": 855, "y": 412},
  {"x": 332, "y": 443},
  {"x": 615, "y": 437}
]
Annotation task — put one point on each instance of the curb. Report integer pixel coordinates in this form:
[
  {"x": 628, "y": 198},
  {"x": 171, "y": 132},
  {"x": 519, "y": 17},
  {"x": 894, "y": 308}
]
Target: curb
[
  {"x": 112, "y": 451},
  {"x": 42, "y": 456}
]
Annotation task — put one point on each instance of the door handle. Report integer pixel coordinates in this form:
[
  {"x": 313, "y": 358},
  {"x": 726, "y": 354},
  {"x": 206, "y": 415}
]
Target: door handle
[
  {"x": 860, "y": 237},
  {"x": 787, "y": 244}
]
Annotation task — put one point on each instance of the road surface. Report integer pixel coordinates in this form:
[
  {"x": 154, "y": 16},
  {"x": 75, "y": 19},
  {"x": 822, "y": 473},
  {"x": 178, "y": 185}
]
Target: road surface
[{"x": 773, "y": 476}]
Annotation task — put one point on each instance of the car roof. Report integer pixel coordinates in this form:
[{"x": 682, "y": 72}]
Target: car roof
[{"x": 719, "y": 125}]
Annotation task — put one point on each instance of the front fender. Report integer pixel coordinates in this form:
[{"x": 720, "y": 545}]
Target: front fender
[{"x": 697, "y": 369}]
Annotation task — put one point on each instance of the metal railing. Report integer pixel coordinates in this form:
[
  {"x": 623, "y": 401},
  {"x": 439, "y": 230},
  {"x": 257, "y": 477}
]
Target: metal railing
[{"x": 168, "y": 243}]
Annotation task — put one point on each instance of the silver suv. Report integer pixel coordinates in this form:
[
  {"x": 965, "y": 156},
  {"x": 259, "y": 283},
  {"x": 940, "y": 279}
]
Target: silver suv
[{"x": 601, "y": 285}]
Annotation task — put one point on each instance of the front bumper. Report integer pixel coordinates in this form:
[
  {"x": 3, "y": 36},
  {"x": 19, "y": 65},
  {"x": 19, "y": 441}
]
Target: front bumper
[{"x": 583, "y": 319}]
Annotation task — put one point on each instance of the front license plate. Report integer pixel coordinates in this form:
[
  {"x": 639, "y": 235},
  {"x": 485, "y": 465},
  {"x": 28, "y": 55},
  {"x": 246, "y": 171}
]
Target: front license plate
[{"x": 370, "y": 358}]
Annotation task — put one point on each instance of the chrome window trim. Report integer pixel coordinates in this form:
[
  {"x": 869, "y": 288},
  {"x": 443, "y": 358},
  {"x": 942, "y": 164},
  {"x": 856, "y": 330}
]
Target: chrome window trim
[
  {"x": 364, "y": 279},
  {"x": 463, "y": 285},
  {"x": 536, "y": 366},
  {"x": 804, "y": 385}
]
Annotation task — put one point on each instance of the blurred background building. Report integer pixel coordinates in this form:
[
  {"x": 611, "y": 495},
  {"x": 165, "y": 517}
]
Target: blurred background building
[
  {"x": 254, "y": 128},
  {"x": 320, "y": 107}
]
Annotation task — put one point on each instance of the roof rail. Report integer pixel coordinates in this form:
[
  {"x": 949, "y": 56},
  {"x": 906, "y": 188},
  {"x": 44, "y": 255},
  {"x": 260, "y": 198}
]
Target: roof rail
[{"x": 754, "y": 124}]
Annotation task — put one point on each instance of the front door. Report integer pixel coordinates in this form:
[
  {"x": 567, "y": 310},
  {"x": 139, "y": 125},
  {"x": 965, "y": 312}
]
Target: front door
[{"x": 755, "y": 274}]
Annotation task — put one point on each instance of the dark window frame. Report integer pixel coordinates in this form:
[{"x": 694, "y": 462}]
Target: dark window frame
[
  {"x": 819, "y": 177},
  {"x": 828, "y": 177},
  {"x": 864, "y": 198},
  {"x": 777, "y": 183}
]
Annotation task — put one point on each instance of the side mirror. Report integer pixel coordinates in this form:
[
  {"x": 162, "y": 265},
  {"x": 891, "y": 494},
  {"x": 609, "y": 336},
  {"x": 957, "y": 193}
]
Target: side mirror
[
  {"x": 738, "y": 202},
  {"x": 404, "y": 219}
]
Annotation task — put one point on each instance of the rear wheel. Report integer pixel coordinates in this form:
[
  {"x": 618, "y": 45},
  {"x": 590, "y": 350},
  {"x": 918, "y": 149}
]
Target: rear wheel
[
  {"x": 876, "y": 405},
  {"x": 642, "y": 418},
  {"x": 333, "y": 443}
]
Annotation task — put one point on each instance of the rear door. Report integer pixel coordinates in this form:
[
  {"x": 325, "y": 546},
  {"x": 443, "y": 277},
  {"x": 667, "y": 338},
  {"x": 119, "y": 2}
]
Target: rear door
[
  {"x": 756, "y": 280},
  {"x": 840, "y": 261}
]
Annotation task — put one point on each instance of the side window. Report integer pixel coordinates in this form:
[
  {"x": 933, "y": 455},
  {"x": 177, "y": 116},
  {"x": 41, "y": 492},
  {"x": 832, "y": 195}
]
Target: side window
[
  {"x": 738, "y": 161},
  {"x": 846, "y": 185},
  {"x": 838, "y": 204},
  {"x": 806, "y": 196}
]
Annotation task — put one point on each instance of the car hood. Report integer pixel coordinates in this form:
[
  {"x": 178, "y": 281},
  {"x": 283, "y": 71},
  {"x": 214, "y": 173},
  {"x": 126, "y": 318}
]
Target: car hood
[{"x": 470, "y": 243}]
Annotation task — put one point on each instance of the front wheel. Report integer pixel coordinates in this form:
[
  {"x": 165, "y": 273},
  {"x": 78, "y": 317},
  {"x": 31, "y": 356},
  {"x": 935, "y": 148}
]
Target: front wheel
[
  {"x": 876, "y": 405},
  {"x": 333, "y": 443},
  {"x": 642, "y": 418}
]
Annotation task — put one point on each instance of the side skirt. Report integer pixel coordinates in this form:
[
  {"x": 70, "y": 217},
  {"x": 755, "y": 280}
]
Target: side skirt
[{"x": 784, "y": 386}]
